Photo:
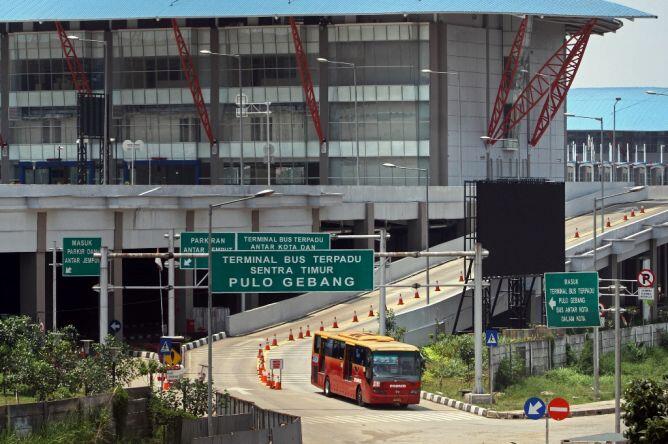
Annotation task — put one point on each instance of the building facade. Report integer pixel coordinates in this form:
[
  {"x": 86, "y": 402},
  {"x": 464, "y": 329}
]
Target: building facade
[{"x": 396, "y": 113}]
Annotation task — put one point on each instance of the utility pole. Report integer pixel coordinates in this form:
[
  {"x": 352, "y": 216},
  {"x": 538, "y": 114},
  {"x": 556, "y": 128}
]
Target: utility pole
[
  {"x": 382, "y": 314},
  {"x": 477, "y": 316},
  {"x": 104, "y": 293},
  {"x": 54, "y": 275},
  {"x": 170, "y": 282}
]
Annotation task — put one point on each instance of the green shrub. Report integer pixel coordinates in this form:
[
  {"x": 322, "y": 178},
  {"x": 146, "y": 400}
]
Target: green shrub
[
  {"x": 656, "y": 431},
  {"x": 634, "y": 352},
  {"x": 509, "y": 371},
  {"x": 585, "y": 362},
  {"x": 645, "y": 401}
]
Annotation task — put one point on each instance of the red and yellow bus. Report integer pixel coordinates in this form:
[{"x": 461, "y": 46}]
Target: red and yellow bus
[{"x": 369, "y": 368}]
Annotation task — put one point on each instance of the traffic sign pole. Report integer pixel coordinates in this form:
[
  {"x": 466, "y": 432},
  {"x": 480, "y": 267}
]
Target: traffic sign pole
[
  {"x": 54, "y": 277},
  {"x": 477, "y": 316},
  {"x": 104, "y": 294},
  {"x": 170, "y": 291},
  {"x": 382, "y": 317}
]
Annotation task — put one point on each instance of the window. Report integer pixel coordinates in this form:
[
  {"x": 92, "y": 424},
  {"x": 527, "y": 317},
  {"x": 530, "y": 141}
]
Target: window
[
  {"x": 359, "y": 355},
  {"x": 316, "y": 344},
  {"x": 338, "y": 349},
  {"x": 329, "y": 347}
]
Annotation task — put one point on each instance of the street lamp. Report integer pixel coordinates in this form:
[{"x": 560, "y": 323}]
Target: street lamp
[
  {"x": 426, "y": 171},
  {"x": 618, "y": 361},
  {"x": 241, "y": 123},
  {"x": 459, "y": 94},
  {"x": 600, "y": 120},
  {"x": 105, "y": 131},
  {"x": 614, "y": 128},
  {"x": 357, "y": 134},
  {"x": 655, "y": 93},
  {"x": 263, "y": 193}
]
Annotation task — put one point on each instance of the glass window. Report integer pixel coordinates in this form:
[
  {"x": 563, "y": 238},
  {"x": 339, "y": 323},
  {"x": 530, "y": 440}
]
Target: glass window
[
  {"x": 329, "y": 347},
  {"x": 396, "y": 365}
]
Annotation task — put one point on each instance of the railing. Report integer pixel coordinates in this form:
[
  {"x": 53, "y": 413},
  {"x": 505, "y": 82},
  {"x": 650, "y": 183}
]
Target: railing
[{"x": 227, "y": 404}]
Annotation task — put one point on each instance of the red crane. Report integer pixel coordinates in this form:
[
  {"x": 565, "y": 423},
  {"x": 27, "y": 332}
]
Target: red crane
[
  {"x": 508, "y": 76},
  {"x": 307, "y": 81},
  {"x": 193, "y": 81},
  {"x": 74, "y": 65},
  {"x": 541, "y": 83},
  {"x": 560, "y": 86}
]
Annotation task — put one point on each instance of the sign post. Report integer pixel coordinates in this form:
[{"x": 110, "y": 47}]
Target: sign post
[
  {"x": 78, "y": 257},
  {"x": 491, "y": 340},
  {"x": 571, "y": 300},
  {"x": 291, "y": 271},
  {"x": 646, "y": 279}
]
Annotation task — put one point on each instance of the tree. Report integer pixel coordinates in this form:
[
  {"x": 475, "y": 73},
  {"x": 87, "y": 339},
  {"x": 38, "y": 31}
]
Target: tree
[{"x": 645, "y": 411}]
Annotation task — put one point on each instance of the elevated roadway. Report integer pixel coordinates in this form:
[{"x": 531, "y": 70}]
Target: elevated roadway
[{"x": 326, "y": 419}]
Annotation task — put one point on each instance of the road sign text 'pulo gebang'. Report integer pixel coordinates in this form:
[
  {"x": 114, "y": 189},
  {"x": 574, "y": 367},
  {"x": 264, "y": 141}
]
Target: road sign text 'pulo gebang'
[{"x": 292, "y": 271}]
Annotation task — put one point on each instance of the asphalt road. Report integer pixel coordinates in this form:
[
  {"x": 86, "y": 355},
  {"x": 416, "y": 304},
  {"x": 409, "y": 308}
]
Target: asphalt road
[{"x": 328, "y": 419}]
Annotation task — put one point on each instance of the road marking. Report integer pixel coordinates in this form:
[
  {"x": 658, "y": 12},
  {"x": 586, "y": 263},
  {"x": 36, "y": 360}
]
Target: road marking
[{"x": 404, "y": 416}]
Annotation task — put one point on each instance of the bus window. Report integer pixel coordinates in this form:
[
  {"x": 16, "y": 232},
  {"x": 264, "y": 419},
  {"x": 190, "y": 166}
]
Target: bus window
[
  {"x": 338, "y": 349},
  {"x": 329, "y": 347},
  {"x": 359, "y": 356},
  {"x": 316, "y": 344},
  {"x": 393, "y": 365}
]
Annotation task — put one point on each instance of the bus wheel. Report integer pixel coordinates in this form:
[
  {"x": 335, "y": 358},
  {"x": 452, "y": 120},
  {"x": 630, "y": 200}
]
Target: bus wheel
[
  {"x": 327, "y": 389},
  {"x": 358, "y": 397}
]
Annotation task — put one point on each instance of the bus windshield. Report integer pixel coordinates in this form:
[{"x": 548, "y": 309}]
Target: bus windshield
[{"x": 404, "y": 366}]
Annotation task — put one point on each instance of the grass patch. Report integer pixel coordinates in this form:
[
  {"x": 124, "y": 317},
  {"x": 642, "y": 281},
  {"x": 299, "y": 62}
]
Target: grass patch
[{"x": 570, "y": 382}]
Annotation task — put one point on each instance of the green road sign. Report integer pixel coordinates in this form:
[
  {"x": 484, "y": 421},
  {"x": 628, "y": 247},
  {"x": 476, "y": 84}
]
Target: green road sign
[
  {"x": 198, "y": 242},
  {"x": 78, "y": 257},
  {"x": 292, "y": 271},
  {"x": 571, "y": 299},
  {"x": 283, "y": 241}
]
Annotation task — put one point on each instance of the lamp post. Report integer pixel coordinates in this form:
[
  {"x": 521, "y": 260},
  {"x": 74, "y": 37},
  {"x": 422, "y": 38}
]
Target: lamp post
[
  {"x": 459, "y": 94},
  {"x": 105, "y": 130},
  {"x": 614, "y": 127},
  {"x": 426, "y": 190},
  {"x": 357, "y": 134},
  {"x": 596, "y": 356},
  {"x": 262, "y": 193},
  {"x": 600, "y": 120},
  {"x": 241, "y": 122}
]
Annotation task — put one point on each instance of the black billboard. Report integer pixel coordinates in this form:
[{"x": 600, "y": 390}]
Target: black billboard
[
  {"x": 91, "y": 115},
  {"x": 521, "y": 223}
]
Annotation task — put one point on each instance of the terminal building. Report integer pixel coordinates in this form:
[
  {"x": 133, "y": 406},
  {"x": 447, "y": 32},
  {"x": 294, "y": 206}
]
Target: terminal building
[
  {"x": 640, "y": 123},
  {"x": 310, "y": 98}
]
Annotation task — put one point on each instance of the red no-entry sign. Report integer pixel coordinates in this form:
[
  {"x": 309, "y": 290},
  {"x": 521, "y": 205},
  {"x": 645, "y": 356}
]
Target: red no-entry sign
[{"x": 558, "y": 409}]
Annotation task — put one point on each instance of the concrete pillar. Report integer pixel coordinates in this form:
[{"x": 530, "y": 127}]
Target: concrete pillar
[
  {"x": 438, "y": 104},
  {"x": 214, "y": 105},
  {"x": 315, "y": 220},
  {"x": 6, "y": 170},
  {"x": 323, "y": 88},
  {"x": 365, "y": 226},
  {"x": 116, "y": 304},
  {"x": 255, "y": 219},
  {"x": 417, "y": 229},
  {"x": 109, "y": 74},
  {"x": 188, "y": 279},
  {"x": 40, "y": 270}
]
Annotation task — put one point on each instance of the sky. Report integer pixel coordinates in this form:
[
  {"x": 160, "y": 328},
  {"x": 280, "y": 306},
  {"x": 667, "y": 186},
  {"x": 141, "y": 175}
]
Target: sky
[{"x": 636, "y": 55}]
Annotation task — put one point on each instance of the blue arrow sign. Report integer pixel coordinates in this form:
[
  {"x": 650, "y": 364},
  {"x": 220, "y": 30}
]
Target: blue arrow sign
[
  {"x": 534, "y": 408},
  {"x": 115, "y": 326},
  {"x": 492, "y": 338}
]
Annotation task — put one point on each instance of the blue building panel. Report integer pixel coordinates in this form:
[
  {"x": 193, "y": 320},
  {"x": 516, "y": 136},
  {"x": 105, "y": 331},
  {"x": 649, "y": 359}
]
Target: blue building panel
[
  {"x": 637, "y": 111},
  {"x": 47, "y": 10}
]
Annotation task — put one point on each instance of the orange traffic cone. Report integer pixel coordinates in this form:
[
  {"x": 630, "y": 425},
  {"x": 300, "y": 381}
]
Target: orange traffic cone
[
  {"x": 417, "y": 295},
  {"x": 633, "y": 213},
  {"x": 626, "y": 218},
  {"x": 274, "y": 342},
  {"x": 335, "y": 324},
  {"x": 259, "y": 352},
  {"x": 263, "y": 377},
  {"x": 322, "y": 327},
  {"x": 291, "y": 337},
  {"x": 437, "y": 287},
  {"x": 308, "y": 331},
  {"x": 166, "y": 385},
  {"x": 371, "y": 311},
  {"x": 355, "y": 316},
  {"x": 266, "y": 345},
  {"x": 401, "y": 301},
  {"x": 260, "y": 368},
  {"x": 301, "y": 334},
  {"x": 577, "y": 234},
  {"x": 607, "y": 223},
  {"x": 642, "y": 209},
  {"x": 270, "y": 381},
  {"x": 277, "y": 383},
  {"x": 461, "y": 277}
]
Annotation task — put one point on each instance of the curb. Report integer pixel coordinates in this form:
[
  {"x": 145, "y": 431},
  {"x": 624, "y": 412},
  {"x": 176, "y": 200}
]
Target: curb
[
  {"x": 144, "y": 354},
  {"x": 470, "y": 408},
  {"x": 493, "y": 414},
  {"x": 201, "y": 342}
]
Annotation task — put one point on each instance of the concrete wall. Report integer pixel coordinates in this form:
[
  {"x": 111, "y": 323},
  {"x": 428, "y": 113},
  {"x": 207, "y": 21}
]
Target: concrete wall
[
  {"x": 540, "y": 356},
  {"x": 580, "y": 195}
]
